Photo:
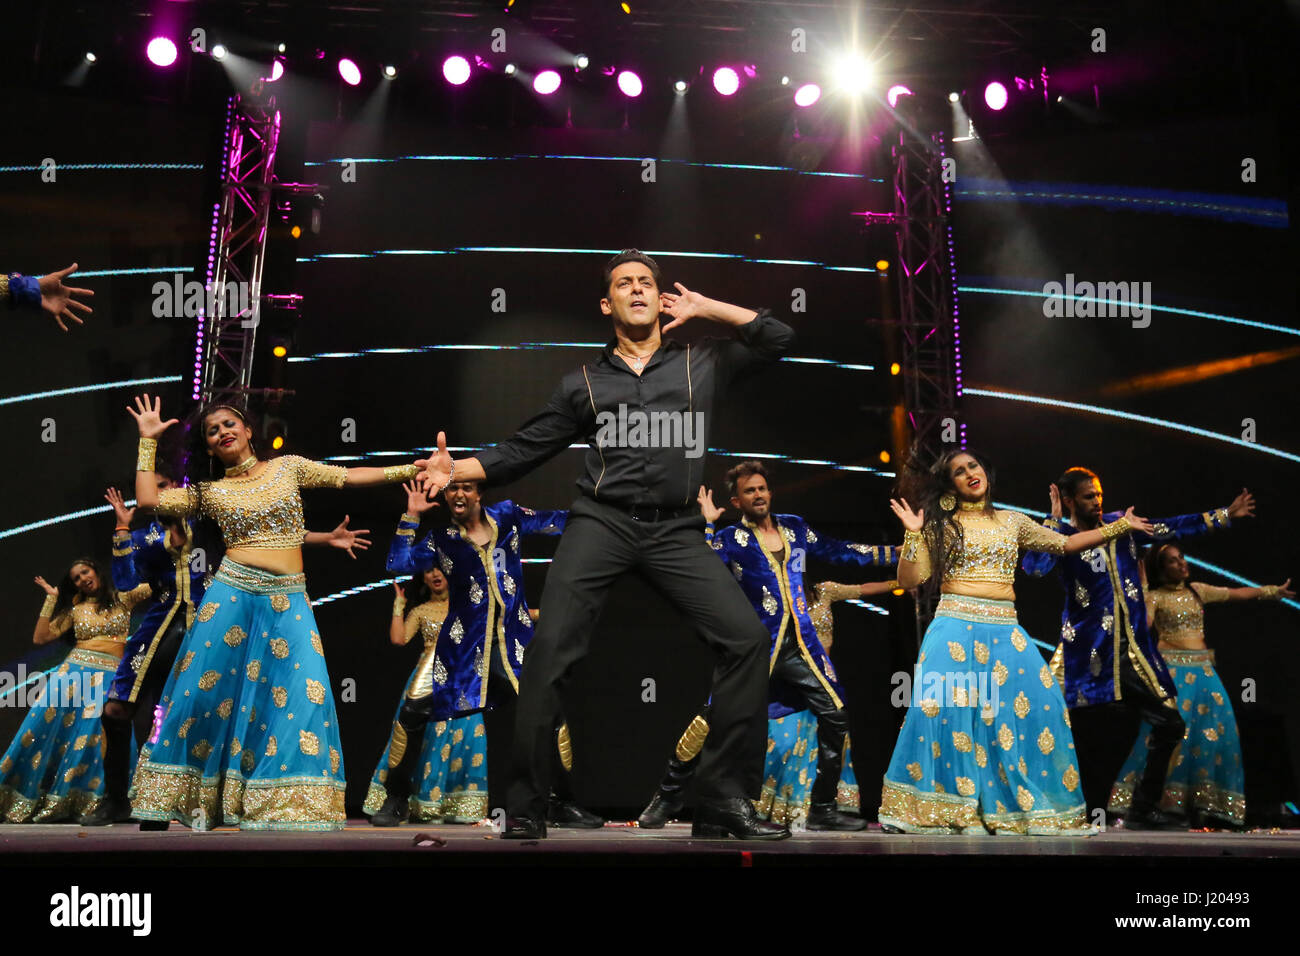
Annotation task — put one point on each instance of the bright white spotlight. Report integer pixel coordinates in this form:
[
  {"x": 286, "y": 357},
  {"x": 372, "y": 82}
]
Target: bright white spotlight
[
  {"x": 995, "y": 96},
  {"x": 161, "y": 51},
  {"x": 895, "y": 91},
  {"x": 280, "y": 48},
  {"x": 853, "y": 73},
  {"x": 581, "y": 61},
  {"x": 277, "y": 70},
  {"x": 90, "y": 57},
  {"x": 390, "y": 72},
  {"x": 954, "y": 96},
  {"x": 785, "y": 81},
  {"x": 510, "y": 69},
  {"x": 680, "y": 86},
  {"x": 630, "y": 84},
  {"x": 455, "y": 69},
  {"x": 219, "y": 51}
]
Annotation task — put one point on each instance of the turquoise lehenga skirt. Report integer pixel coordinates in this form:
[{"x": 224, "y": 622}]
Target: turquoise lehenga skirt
[
  {"x": 452, "y": 781},
  {"x": 249, "y": 735},
  {"x": 54, "y": 769},
  {"x": 986, "y": 744},
  {"x": 1205, "y": 772},
  {"x": 791, "y": 768}
]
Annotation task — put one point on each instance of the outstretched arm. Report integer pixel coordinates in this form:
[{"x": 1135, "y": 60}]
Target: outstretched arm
[
  {"x": 341, "y": 537},
  {"x": 148, "y": 418}
]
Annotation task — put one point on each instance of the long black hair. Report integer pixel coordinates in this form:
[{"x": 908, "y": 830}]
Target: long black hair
[
  {"x": 197, "y": 466},
  {"x": 924, "y": 482},
  {"x": 105, "y": 597}
]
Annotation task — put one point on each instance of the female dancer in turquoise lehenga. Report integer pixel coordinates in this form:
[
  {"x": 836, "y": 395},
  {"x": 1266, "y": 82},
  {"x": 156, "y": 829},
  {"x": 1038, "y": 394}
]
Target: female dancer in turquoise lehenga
[
  {"x": 249, "y": 735},
  {"x": 453, "y": 783},
  {"x": 791, "y": 764},
  {"x": 1206, "y": 783},
  {"x": 986, "y": 745},
  {"x": 54, "y": 769}
]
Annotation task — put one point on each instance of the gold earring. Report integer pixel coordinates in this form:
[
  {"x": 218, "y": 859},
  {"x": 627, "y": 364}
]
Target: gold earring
[{"x": 948, "y": 502}]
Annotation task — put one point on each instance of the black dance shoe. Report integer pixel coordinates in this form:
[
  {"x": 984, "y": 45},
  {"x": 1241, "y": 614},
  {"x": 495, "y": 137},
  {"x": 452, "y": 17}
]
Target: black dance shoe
[
  {"x": 824, "y": 816},
  {"x": 108, "y": 812},
  {"x": 524, "y": 828},
  {"x": 154, "y": 824},
  {"x": 1152, "y": 819},
  {"x": 393, "y": 813},
  {"x": 734, "y": 817},
  {"x": 566, "y": 813},
  {"x": 661, "y": 809}
]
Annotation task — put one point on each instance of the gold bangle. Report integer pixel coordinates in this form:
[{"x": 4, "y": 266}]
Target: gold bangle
[
  {"x": 399, "y": 605},
  {"x": 48, "y": 607},
  {"x": 1116, "y": 529},
  {"x": 912, "y": 541},
  {"x": 146, "y": 453},
  {"x": 1270, "y": 592},
  {"x": 394, "y": 473}
]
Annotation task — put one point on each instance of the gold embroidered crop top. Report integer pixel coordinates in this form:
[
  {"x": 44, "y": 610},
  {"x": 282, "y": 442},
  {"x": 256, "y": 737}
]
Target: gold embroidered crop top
[
  {"x": 426, "y": 620},
  {"x": 1179, "y": 619},
  {"x": 820, "y": 611},
  {"x": 991, "y": 546},
  {"x": 262, "y": 511},
  {"x": 105, "y": 630}
]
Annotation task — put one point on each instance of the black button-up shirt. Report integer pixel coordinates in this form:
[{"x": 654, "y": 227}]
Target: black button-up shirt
[{"x": 648, "y": 433}]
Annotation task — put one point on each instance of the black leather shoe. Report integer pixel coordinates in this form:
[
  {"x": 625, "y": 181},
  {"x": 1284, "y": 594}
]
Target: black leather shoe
[
  {"x": 155, "y": 824},
  {"x": 393, "y": 813},
  {"x": 824, "y": 816},
  {"x": 566, "y": 813},
  {"x": 524, "y": 828},
  {"x": 734, "y": 817},
  {"x": 661, "y": 809},
  {"x": 108, "y": 812},
  {"x": 1152, "y": 819}
]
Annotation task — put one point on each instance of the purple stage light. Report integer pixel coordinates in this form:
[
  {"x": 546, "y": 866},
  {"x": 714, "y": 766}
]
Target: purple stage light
[
  {"x": 895, "y": 91},
  {"x": 725, "y": 80},
  {"x": 807, "y": 95},
  {"x": 629, "y": 83},
  {"x": 546, "y": 82},
  {"x": 995, "y": 95},
  {"x": 161, "y": 51},
  {"x": 455, "y": 69},
  {"x": 350, "y": 72}
]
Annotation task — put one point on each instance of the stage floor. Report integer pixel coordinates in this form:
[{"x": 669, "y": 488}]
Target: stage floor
[{"x": 413, "y": 844}]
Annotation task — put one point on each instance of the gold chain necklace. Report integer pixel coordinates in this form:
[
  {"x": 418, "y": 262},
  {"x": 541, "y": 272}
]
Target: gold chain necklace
[{"x": 244, "y": 466}]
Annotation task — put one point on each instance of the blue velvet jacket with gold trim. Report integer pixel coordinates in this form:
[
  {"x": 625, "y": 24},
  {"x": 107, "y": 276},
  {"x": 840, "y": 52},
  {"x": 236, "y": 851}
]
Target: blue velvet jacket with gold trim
[
  {"x": 1104, "y": 604},
  {"x": 486, "y": 610},
  {"x": 775, "y": 587},
  {"x": 147, "y": 556}
]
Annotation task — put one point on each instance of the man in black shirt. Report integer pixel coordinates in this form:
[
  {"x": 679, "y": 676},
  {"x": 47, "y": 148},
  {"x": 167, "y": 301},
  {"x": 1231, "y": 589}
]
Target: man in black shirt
[{"x": 644, "y": 406}]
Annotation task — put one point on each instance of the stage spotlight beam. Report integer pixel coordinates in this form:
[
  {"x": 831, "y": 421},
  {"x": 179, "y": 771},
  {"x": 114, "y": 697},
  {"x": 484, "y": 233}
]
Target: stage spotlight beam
[
  {"x": 630, "y": 84},
  {"x": 161, "y": 51},
  {"x": 725, "y": 80},
  {"x": 995, "y": 96},
  {"x": 546, "y": 82}
]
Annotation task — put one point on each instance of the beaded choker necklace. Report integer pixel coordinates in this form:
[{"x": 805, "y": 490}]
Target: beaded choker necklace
[
  {"x": 972, "y": 505},
  {"x": 244, "y": 466}
]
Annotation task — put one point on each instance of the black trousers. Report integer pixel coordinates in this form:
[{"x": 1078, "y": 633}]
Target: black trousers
[
  {"x": 117, "y": 731},
  {"x": 601, "y": 543},
  {"x": 1167, "y": 729},
  {"x": 792, "y": 671}
]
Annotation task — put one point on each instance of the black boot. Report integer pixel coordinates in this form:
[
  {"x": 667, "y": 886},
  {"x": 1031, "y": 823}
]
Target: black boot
[
  {"x": 524, "y": 828},
  {"x": 735, "y": 817},
  {"x": 115, "y": 807},
  {"x": 561, "y": 813},
  {"x": 396, "y": 808},
  {"x": 670, "y": 798},
  {"x": 825, "y": 816}
]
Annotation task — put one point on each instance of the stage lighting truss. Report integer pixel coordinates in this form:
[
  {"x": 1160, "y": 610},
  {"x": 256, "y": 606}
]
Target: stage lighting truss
[{"x": 240, "y": 254}]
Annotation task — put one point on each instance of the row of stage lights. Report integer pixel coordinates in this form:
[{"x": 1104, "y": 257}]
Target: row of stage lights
[{"x": 850, "y": 73}]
